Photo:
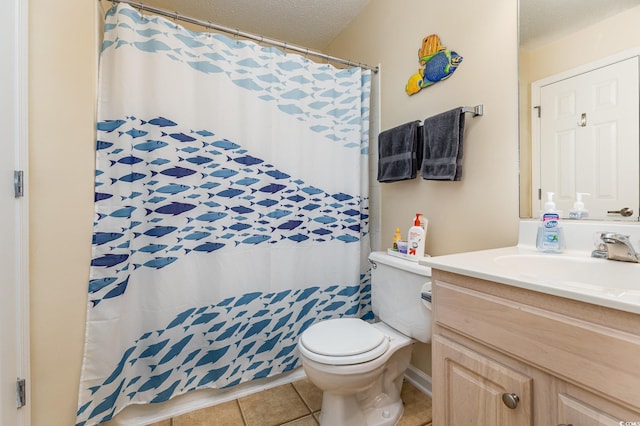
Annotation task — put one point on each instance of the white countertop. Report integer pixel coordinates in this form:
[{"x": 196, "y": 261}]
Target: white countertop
[{"x": 573, "y": 274}]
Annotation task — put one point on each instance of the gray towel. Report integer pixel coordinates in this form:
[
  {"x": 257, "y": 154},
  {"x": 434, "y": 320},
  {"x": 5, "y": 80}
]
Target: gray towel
[
  {"x": 398, "y": 152},
  {"x": 443, "y": 135}
]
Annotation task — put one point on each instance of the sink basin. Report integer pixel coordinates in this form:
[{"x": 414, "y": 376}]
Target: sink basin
[{"x": 586, "y": 274}]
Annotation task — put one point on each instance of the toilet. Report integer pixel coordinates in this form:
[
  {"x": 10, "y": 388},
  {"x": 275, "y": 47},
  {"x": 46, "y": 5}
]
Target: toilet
[{"x": 359, "y": 366}]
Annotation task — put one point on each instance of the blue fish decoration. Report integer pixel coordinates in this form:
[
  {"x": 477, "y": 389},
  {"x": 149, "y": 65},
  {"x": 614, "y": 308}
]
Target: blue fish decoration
[
  {"x": 153, "y": 248},
  {"x": 178, "y": 172},
  {"x": 291, "y": 224},
  {"x": 132, "y": 177},
  {"x": 230, "y": 193},
  {"x": 182, "y": 137},
  {"x": 130, "y": 160},
  {"x": 174, "y": 188},
  {"x": 123, "y": 212},
  {"x": 160, "y": 231},
  {"x": 440, "y": 67},
  {"x": 208, "y": 247},
  {"x": 199, "y": 160},
  {"x": 160, "y": 122},
  {"x": 175, "y": 208},
  {"x": 211, "y": 217},
  {"x": 100, "y": 283},
  {"x": 109, "y": 260},
  {"x": 256, "y": 239},
  {"x": 242, "y": 209},
  {"x": 99, "y": 196},
  {"x": 100, "y": 238},
  {"x": 150, "y": 145},
  {"x": 272, "y": 188},
  {"x": 225, "y": 144},
  {"x": 198, "y": 235},
  {"x": 248, "y": 160},
  {"x": 109, "y": 125},
  {"x": 240, "y": 226},
  {"x": 135, "y": 133},
  {"x": 276, "y": 174},
  {"x": 160, "y": 262}
]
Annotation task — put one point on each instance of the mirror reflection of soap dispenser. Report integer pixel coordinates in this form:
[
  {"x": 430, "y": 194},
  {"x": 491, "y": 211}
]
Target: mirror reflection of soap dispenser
[{"x": 578, "y": 211}]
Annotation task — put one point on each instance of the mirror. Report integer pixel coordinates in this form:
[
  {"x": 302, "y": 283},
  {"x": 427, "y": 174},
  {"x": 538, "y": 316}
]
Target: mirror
[{"x": 557, "y": 36}]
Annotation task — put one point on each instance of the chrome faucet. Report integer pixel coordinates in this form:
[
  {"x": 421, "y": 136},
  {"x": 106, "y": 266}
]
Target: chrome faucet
[{"x": 616, "y": 247}]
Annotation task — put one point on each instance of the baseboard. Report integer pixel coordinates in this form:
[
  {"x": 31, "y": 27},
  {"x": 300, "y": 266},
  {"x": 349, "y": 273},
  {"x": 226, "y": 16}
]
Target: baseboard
[{"x": 419, "y": 379}]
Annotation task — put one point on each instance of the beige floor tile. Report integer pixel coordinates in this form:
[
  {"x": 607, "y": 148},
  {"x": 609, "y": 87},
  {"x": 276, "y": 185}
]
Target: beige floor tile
[
  {"x": 162, "y": 423},
  {"x": 310, "y": 393},
  {"x": 227, "y": 414},
  {"x": 305, "y": 421},
  {"x": 417, "y": 407},
  {"x": 273, "y": 406}
]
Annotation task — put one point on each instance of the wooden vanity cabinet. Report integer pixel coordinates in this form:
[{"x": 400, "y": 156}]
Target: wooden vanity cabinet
[{"x": 509, "y": 356}]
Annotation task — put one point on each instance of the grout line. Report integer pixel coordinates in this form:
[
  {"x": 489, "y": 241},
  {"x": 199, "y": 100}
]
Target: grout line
[
  {"x": 244, "y": 419},
  {"x": 303, "y": 400}
]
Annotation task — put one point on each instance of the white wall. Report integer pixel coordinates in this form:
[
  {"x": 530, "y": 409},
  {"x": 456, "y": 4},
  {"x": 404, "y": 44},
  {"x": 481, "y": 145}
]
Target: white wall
[
  {"x": 62, "y": 74},
  {"x": 479, "y": 212}
]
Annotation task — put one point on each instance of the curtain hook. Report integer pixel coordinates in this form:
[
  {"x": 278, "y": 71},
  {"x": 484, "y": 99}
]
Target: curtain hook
[
  {"x": 175, "y": 19},
  {"x": 236, "y": 34}
]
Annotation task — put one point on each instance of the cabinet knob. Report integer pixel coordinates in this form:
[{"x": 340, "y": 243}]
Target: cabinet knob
[{"x": 510, "y": 400}]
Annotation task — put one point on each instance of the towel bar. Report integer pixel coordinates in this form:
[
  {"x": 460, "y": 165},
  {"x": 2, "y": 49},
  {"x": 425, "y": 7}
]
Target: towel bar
[{"x": 476, "y": 110}]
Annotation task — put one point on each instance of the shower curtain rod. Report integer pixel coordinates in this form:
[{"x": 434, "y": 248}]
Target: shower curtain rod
[{"x": 261, "y": 39}]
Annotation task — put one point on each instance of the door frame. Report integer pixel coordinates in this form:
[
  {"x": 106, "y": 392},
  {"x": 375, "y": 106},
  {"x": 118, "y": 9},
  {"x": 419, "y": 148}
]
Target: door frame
[
  {"x": 536, "y": 88},
  {"x": 18, "y": 33}
]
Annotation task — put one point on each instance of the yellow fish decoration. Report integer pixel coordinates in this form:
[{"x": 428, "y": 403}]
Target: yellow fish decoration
[{"x": 437, "y": 62}]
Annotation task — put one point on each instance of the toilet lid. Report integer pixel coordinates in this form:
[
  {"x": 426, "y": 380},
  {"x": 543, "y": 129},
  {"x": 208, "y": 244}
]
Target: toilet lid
[{"x": 345, "y": 337}]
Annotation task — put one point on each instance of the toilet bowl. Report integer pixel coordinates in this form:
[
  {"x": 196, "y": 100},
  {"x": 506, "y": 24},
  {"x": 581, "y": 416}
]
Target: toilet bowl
[{"x": 359, "y": 366}]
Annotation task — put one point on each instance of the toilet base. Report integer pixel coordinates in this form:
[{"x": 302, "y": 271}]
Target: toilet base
[
  {"x": 348, "y": 411},
  {"x": 379, "y": 404}
]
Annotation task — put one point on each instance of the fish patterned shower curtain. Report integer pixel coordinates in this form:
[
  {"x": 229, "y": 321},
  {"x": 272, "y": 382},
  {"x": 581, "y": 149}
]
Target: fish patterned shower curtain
[{"x": 231, "y": 211}]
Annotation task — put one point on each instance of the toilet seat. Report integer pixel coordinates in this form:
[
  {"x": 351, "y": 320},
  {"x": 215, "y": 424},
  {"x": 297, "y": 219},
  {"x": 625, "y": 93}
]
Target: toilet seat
[{"x": 343, "y": 341}]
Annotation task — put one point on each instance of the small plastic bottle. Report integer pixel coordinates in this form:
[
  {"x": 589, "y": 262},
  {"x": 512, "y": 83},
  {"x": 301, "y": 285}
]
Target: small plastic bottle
[
  {"x": 396, "y": 237},
  {"x": 550, "y": 238},
  {"x": 415, "y": 241}
]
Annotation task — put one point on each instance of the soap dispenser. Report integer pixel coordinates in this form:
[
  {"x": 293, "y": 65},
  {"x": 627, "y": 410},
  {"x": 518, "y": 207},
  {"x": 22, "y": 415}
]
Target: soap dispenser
[
  {"x": 550, "y": 237},
  {"x": 578, "y": 211}
]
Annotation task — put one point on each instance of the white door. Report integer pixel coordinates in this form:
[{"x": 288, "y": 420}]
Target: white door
[
  {"x": 13, "y": 216},
  {"x": 589, "y": 140}
]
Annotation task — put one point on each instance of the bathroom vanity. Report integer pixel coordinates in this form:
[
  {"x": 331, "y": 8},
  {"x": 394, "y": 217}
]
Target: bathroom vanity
[{"x": 513, "y": 345}]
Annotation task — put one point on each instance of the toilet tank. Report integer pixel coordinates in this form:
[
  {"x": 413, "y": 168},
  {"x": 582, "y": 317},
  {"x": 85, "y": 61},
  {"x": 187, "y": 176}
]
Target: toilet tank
[{"x": 396, "y": 289}]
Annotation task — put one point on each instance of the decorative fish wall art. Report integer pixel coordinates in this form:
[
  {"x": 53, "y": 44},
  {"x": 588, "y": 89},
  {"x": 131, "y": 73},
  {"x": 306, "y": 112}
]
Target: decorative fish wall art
[{"x": 437, "y": 64}]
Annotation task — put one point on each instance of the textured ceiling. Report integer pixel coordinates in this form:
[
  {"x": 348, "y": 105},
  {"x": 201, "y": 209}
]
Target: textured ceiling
[
  {"x": 310, "y": 24},
  {"x": 314, "y": 24}
]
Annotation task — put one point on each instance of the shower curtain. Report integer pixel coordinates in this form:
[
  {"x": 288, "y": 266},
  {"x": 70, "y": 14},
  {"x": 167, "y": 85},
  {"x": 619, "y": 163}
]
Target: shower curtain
[{"x": 231, "y": 211}]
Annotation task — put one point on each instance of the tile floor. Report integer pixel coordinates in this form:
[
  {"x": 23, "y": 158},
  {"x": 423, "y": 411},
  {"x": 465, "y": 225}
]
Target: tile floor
[{"x": 294, "y": 404}]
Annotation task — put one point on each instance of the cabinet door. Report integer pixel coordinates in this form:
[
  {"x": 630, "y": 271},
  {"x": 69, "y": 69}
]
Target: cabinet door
[
  {"x": 579, "y": 407},
  {"x": 469, "y": 389}
]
